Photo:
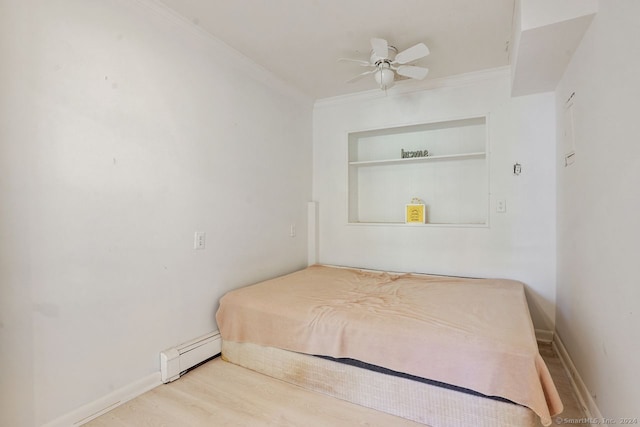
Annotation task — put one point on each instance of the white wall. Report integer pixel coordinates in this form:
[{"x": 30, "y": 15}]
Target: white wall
[
  {"x": 519, "y": 244},
  {"x": 122, "y": 131},
  {"x": 598, "y": 205}
]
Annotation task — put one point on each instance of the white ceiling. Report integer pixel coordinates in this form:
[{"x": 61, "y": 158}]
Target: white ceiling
[{"x": 300, "y": 40}]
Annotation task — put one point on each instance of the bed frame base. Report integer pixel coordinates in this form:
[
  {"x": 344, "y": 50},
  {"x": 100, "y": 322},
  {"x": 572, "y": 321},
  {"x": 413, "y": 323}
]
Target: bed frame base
[{"x": 425, "y": 403}]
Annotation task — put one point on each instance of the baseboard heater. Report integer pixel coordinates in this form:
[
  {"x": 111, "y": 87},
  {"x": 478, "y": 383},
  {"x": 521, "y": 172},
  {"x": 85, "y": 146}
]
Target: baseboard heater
[{"x": 176, "y": 361}]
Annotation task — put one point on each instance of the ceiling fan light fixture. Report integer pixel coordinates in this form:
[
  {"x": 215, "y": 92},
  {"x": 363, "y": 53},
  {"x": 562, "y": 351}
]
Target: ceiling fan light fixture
[{"x": 384, "y": 77}]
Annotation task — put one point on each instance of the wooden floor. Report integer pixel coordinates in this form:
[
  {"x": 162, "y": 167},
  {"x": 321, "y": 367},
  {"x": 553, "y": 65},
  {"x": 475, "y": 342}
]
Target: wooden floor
[{"x": 222, "y": 394}]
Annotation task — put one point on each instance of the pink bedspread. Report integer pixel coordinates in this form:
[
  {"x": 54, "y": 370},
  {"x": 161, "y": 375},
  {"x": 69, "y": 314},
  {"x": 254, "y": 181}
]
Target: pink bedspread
[{"x": 472, "y": 333}]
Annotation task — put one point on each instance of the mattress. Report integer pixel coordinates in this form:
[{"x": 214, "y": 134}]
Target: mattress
[
  {"x": 421, "y": 402},
  {"x": 471, "y": 333}
]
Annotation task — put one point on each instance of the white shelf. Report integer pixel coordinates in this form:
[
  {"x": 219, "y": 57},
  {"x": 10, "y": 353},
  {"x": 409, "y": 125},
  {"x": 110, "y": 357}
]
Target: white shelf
[
  {"x": 478, "y": 155},
  {"x": 428, "y": 224},
  {"x": 454, "y": 183}
]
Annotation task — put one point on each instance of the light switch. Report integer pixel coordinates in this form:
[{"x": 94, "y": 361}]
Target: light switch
[{"x": 199, "y": 240}]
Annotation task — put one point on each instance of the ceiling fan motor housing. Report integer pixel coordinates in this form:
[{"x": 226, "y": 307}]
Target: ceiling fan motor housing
[{"x": 391, "y": 55}]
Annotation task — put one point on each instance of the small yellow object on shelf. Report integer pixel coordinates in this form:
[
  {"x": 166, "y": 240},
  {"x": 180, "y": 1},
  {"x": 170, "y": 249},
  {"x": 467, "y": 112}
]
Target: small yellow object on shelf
[{"x": 415, "y": 212}]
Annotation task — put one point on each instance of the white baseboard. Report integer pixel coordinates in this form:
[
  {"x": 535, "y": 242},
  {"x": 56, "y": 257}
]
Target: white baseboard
[
  {"x": 579, "y": 387},
  {"x": 92, "y": 410}
]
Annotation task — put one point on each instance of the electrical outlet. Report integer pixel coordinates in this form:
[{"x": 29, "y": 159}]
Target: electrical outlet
[
  {"x": 199, "y": 240},
  {"x": 501, "y": 205}
]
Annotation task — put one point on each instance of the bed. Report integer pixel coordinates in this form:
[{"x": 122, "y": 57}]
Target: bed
[{"x": 443, "y": 351}]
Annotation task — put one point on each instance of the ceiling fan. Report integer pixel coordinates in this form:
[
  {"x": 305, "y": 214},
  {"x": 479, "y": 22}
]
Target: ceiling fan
[{"x": 386, "y": 62}]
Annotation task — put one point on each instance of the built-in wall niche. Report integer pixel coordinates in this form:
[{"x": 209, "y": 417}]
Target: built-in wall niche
[{"x": 444, "y": 164}]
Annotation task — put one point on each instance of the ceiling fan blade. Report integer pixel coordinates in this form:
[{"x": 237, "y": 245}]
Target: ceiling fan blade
[
  {"x": 380, "y": 48},
  {"x": 357, "y": 61},
  {"x": 413, "y": 53},
  {"x": 361, "y": 75},
  {"x": 413, "y": 71}
]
